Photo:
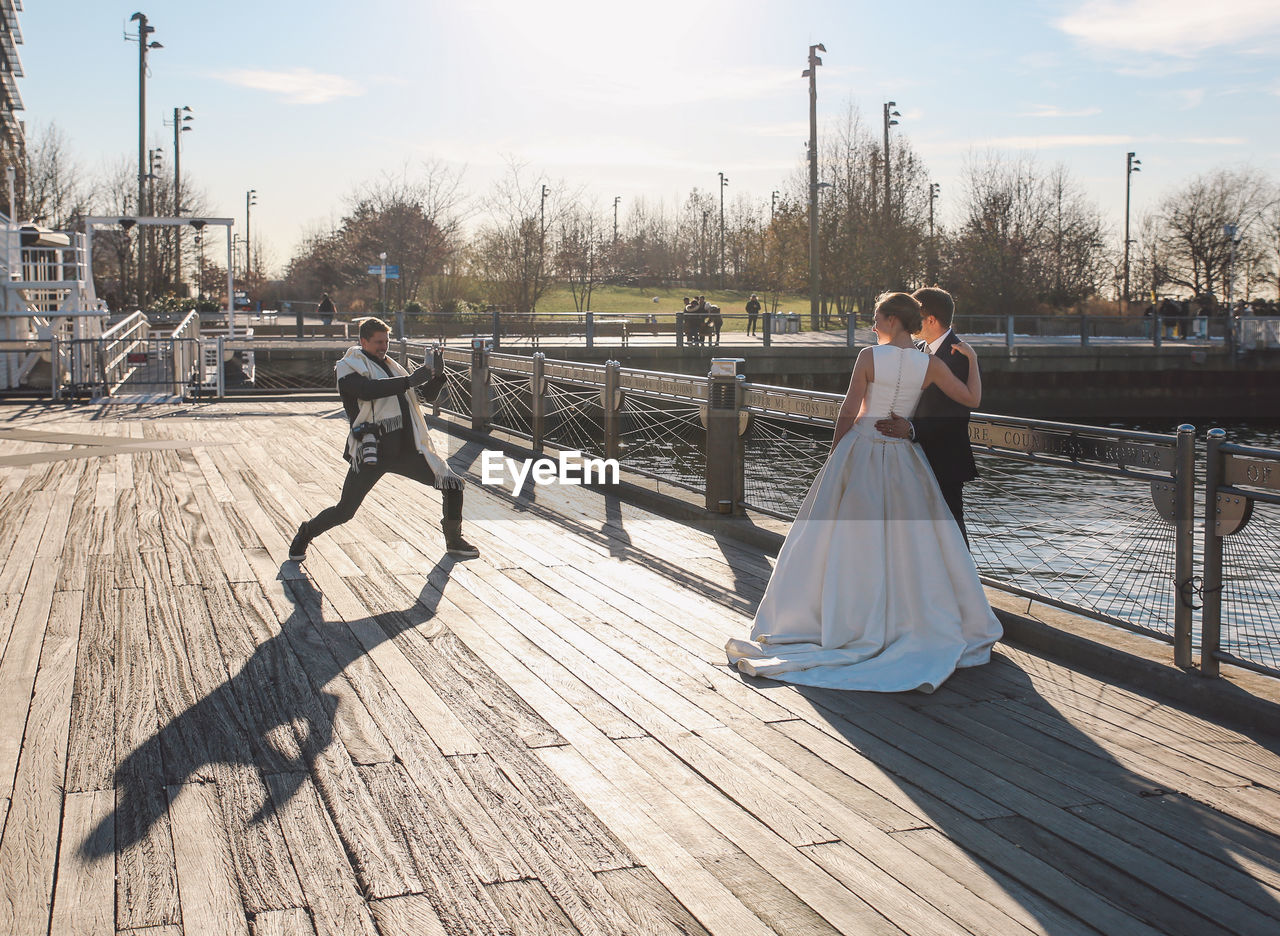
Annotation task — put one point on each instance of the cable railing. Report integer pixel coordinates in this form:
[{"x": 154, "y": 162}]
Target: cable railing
[
  {"x": 1098, "y": 521},
  {"x": 1241, "y": 584}
]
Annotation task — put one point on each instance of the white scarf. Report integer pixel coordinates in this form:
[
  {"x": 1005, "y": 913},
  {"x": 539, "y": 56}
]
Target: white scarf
[{"x": 385, "y": 414}]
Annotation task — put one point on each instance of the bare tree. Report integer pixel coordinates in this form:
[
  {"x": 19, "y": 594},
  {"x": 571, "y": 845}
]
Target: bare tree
[
  {"x": 1027, "y": 238},
  {"x": 1195, "y": 220},
  {"x": 412, "y": 216},
  {"x": 579, "y": 253},
  {"x": 56, "y": 192},
  {"x": 510, "y": 251}
]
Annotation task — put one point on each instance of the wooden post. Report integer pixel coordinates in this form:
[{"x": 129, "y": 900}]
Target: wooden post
[
  {"x": 725, "y": 474},
  {"x": 768, "y": 328},
  {"x": 591, "y": 329},
  {"x": 679, "y": 329}
]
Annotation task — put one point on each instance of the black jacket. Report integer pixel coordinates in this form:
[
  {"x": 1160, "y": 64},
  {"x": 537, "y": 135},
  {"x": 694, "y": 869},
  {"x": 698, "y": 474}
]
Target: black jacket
[
  {"x": 356, "y": 387},
  {"x": 942, "y": 424}
]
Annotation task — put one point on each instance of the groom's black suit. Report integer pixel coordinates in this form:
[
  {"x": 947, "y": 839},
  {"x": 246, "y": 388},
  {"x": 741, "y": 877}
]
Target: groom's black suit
[{"x": 942, "y": 429}]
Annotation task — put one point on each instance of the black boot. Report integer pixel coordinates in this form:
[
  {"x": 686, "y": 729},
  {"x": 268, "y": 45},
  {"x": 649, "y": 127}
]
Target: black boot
[
  {"x": 454, "y": 544},
  {"x": 298, "y": 548}
]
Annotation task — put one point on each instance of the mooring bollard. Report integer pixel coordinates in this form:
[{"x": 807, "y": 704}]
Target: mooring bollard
[
  {"x": 611, "y": 404},
  {"x": 725, "y": 476}
]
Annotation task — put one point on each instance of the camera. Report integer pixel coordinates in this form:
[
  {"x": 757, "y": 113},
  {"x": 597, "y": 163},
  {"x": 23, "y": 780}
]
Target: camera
[{"x": 367, "y": 436}]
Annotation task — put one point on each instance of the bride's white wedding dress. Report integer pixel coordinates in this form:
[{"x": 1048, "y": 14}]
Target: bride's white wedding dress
[{"x": 874, "y": 588}]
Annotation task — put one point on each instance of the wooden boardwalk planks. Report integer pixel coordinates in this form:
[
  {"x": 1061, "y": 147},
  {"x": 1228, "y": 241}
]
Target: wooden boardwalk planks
[{"x": 197, "y": 735}]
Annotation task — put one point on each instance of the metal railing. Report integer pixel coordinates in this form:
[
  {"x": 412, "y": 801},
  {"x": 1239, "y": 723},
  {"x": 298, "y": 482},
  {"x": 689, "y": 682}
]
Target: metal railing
[
  {"x": 1124, "y": 554},
  {"x": 1241, "y": 588}
]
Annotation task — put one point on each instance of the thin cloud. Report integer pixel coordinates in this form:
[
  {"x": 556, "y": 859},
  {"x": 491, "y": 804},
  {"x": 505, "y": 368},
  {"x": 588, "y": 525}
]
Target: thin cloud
[
  {"x": 1050, "y": 110},
  {"x": 297, "y": 85},
  {"x": 1179, "y": 28}
]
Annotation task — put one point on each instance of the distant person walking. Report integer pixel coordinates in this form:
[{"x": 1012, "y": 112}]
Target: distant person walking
[
  {"x": 753, "y": 312},
  {"x": 326, "y": 309}
]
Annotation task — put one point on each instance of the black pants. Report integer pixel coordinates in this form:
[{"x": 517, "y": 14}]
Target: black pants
[
  {"x": 953, "y": 494},
  {"x": 359, "y": 483}
]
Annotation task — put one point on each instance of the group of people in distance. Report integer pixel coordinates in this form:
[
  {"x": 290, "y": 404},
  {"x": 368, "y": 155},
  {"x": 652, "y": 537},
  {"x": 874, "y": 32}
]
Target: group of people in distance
[
  {"x": 702, "y": 321},
  {"x": 874, "y": 587}
]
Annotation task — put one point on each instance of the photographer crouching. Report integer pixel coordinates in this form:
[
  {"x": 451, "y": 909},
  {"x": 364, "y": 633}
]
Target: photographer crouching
[{"x": 388, "y": 434}]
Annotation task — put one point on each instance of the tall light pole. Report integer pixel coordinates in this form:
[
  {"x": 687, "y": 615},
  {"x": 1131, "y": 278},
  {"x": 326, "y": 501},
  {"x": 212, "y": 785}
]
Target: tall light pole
[
  {"x": 723, "y": 182},
  {"x": 812, "y": 74},
  {"x": 616, "y": 199},
  {"x": 250, "y": 199},
  {"x": 1130, "y": 167},
  {"x": 144, "y": 45},
  {"x": 1232, "y": 233},
  {"x": 935, "y": 190},
  {"x": 181, "y": 117},
  {"x": 154, "y": 158},
  {"x": 773, "y": 204},
  {"x": 889, "y": 114},
  {"x": 542, "y": 240}
]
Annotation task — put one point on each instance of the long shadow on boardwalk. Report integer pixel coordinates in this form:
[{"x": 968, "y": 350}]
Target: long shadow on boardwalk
[
  {"x": 1065, "y": 837},
  {"x": 259, "y": 718}
]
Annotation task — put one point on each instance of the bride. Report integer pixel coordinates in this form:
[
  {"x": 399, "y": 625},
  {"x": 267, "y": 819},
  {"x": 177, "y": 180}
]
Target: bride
[{"x": 874, "y": 588}]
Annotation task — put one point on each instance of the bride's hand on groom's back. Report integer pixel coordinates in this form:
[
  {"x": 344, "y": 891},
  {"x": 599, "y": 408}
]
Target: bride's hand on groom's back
[{"x": 963, "y": 347}]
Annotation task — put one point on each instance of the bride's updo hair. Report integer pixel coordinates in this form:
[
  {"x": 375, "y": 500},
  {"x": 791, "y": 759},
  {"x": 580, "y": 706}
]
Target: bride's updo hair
[{"x": 901, "y": 306}]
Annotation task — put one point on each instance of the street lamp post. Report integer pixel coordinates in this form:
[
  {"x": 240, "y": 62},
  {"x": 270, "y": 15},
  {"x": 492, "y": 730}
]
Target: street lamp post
[
  {"x": 723, "y": 182},
  {"x": 812, "y": 74},
  {"x": 935, "y": 190},
  {"x": 616, "y": 199},
  {"x": 889, "y": 114},
  {"x": 181, "y": 117},
  {"x": 250, "y": 199},
  {"x": 144, "y": 46},
  {"x": 154, "y": 158},
  {"x": 1232, "y": 233},
  {"x": 773, "y": 204},
  {"x": 1130, "y": 167}
]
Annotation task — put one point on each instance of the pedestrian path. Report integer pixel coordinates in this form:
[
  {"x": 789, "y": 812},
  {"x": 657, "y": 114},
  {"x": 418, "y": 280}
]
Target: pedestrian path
[{"x": 197, "y": 736}]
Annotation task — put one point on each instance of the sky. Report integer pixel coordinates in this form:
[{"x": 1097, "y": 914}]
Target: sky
[{"x": 303, "y": 101}]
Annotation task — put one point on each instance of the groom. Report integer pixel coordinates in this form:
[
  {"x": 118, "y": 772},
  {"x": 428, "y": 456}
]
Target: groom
[{"x": 940, "y": 425}]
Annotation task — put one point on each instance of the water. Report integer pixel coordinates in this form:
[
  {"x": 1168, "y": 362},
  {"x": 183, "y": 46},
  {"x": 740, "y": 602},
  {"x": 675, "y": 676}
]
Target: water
[{"x": 1087, "y": 539}]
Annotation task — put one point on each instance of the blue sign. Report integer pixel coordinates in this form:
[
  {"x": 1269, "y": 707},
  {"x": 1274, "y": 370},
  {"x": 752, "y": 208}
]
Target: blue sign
[{"x": 393, "y": 270}]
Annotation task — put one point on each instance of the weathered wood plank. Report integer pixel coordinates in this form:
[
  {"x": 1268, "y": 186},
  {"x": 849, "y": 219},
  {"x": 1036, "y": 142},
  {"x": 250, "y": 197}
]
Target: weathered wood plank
[
  {"x": 18, "y": 668},
  {"x": 471, "y": 827},
  {"x": 146, "y": 880},
  {"x": 411, "y": 915},
  {"x": 328, "y": 881},
  {"x": 648, "y": 903},
  {"x": 294, "y": 922},
  {"x": 84, "y": 896},
  {"x": 29, "y": 848},
  {"x": 206, "y": 873},
  {"x": 713, "y": 905},
  {"x": 91, "y": 752},
  {"x": 550, "y": 671},
  {"x": 22, "y": 556},
  {"x": 1010, "y": 897},
  {"x": 457, "y": 897}
]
